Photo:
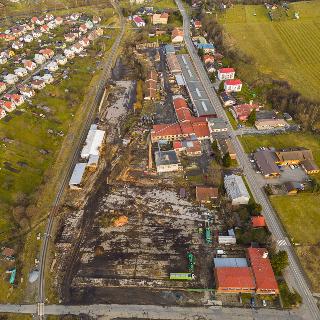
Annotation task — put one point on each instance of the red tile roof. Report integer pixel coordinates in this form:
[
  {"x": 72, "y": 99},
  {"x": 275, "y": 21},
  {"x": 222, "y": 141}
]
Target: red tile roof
[
  {"x": 226, "y": 70},
  {"x": 233, "y": 82},
  {"x": 206, "y": 193},
  {"x": 262, "y": 270},
  {"x": 258, "y": 222},
  {"x": 177, "y": 144},
  {"x": 234, "y": 277},
  {"x": 201, "y": 129},
  {"x": 243, "y": 111}
]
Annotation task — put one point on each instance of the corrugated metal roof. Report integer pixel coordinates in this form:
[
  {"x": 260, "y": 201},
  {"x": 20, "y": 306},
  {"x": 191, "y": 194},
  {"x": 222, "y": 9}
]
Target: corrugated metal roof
[
  {"x": 230, "y": 262},
  {"x": 77, "y": 174},
  {"x": 93, "y": 143},
  {"x": 235, "y": 187}
]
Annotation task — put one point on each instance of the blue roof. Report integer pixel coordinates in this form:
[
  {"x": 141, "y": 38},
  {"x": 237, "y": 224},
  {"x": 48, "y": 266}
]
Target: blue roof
[
  {"x": 204, "y": 45},
  {"x": 169, "y": 48}
]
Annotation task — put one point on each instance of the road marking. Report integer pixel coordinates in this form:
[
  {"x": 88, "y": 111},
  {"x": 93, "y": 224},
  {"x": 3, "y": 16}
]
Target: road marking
[
  {"x": 283, "y": 242},
  {"x": 40, "y": 309}
]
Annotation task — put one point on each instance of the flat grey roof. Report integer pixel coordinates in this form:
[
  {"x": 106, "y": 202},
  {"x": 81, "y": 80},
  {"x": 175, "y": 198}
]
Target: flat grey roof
[
  {"x": 230, "y": 262},
  {"x": 166, "y": 158},
  {"x": 198, "y": 95},
  {"x": 77, "y": 174}
]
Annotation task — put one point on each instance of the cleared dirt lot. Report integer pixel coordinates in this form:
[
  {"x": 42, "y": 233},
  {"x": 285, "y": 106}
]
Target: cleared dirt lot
[{"x": 133, "y": 262}]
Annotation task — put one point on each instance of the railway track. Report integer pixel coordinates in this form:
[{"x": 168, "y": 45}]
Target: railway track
[{"x": 97, "y": 93}]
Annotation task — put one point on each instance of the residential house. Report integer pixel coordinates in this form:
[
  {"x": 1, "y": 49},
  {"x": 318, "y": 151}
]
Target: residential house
[
  {"x": 28, "y": 38},
  {"x": 139, "y": 21},
  {"x": 29, "y": 65},
  {"x": 2, "y": 113},
  {"x": 21, "y": 72},
  {"x": 89, "y": 24},
  {"x": 236, "y": 189},
  {"x": 2, "y": 87},
  {"x": 226, "y": 146},
  {"x": 3, "y": 59},
  {"x": 58, "y": 20},
  {"x": 47, "y": 53},
  {"x": 208, "y": 58},
  {"x": 10, "y": 78},
  {"x": 8, "y": 106},
  {"x": 177, "y": 35},
  {"x": 243, "y": 111},
  {"x": 233, "y": 85},
  {"x": 197, "y": 24},
  {"x": 167, "y": 161},
  {"x": 160, "y": 18},
  {"x": 74, "y": 16},
  {"x": 47, "y": 78},
  {"x": 151, "y": 86},
  {"x": 227, "y": 99},
  {"x": 26, "y": 91},
  {"x": 52, "y": 25},
  {"x": 61, "y": 60},
  {"x": 17, "y": 99},
  {"x": 77, "y": 48},
  {"x": 52, "y": 66},
  {"x": 258, "y": 222},
  {"x": 49, "y": 17},
  {"x": 268, "y": 124},
  {"x": 38, "y": 84},
  {"x": 70, "y": 37},
  {"x": 226, "y": 73},
  {"x": 83, "y": 28},
  {"x": 44, "y": 28},
  {"x": 206, "y": 47},
  {"x": 85, "y": 42},
  {"x": 265, "y": 280},
  {"x": 39, "y": 58},
  {"x": 34, "y": 20},
  {"x": 17, "y": 45},
  {"x": 68, "y": 53},
  {"x": 36, "y": 34},
  {"x": 206, "y": 194}
]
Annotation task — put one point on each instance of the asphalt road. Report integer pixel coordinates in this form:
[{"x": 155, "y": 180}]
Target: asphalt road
[
  {"x": 116, "y": 311},
  {"x": 97, "y": 93},
  {"x": 310, "y": 309}
]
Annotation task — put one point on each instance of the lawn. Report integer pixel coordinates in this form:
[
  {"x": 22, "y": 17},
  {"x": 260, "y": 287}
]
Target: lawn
[
  {"x": 30, "y": 144},
  {"x": 286, "y": 49},
  {"x": 301, "y": 216}
]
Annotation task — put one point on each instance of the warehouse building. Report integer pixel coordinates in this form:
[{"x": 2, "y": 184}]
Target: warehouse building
[
  {"x": 236, "y": 189},
  {"x": 201, "y": 103}
]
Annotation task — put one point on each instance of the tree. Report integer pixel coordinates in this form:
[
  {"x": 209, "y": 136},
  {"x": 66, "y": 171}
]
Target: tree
[
  {"x": 279, "y": 262},
  {"x": 252, "y": 117},
  {"x": 221, "y": 86},
  {"x": 254, "y": 208},
  {"x": 200, "y": 52},
  {"x": 226, "y": 160},
  {"x": 212, "y": 77}
]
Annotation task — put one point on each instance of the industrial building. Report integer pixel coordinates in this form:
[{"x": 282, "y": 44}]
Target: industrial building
[
  {"x": 77, "y": 176},
  {"x": 93, "y": 142},
  {"x": 236, "y": 189},
  {"x": 199, "y": 98},
  {"x": 266, "y": 162}
]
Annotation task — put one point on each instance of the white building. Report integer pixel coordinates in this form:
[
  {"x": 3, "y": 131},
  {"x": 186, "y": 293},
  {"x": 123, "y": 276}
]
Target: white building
[
  {"x": 21, "y": 72},
  {"x": 2, "y": 113},
  {"x": 167, "y": 161},
  {"x": 93, "y": 142},
  {"x": 228, "y": 239},
  {"x": 47, "y": 78},
  {"x": 52, "y": 66},
  {"x": 77, "y": 176},
  {"x": 226, "y": 74},
  {"x": 236, "y": 189},
  {"x": 233, "y": 85},
  {"x": 39, "y": 58},
  {"x": 10, "y": 78}
]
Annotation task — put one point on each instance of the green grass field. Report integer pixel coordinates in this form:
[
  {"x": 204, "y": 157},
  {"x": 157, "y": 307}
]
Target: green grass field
[
  {"x": 286, "y": 49},
  {"x": 301, "y": 217}
]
